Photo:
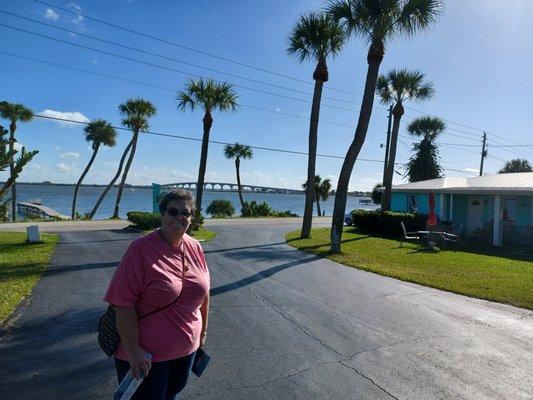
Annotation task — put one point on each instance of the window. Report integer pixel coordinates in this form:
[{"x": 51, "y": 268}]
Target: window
[{"x": 412, "y": 204}]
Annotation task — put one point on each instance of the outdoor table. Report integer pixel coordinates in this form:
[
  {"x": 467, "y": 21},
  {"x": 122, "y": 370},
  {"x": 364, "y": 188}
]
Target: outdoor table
[{"x": 431, "y": 238}]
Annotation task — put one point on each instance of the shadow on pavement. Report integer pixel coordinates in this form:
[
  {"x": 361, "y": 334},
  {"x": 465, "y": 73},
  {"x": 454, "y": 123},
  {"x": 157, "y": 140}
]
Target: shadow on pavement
[
  {"x": 71, "y": 268},
  {"x": 259, "y": 276}
]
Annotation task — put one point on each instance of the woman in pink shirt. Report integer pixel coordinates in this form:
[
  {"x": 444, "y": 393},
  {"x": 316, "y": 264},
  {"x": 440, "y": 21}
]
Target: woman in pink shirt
[{"x": 165, "y": 267}]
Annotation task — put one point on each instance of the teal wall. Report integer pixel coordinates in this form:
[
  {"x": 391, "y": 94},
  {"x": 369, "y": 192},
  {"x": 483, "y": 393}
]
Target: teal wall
[
  {"x": 524, "y": 211},
  {"x": 460, "y": 207},
  {"x": 399, "y": 202},
  {"x": 488, "y": 208}
]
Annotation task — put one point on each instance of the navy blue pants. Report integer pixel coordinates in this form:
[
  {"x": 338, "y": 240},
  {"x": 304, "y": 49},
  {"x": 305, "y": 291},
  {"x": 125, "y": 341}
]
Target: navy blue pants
[{"x": 164, "y": 381}]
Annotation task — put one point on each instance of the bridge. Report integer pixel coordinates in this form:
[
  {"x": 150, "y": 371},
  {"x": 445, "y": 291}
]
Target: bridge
[{"x": 231, "y": 187}]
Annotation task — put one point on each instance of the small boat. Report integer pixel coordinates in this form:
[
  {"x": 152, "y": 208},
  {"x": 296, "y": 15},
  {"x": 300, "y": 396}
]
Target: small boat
[
  {"x": 367, "y": 202},
  {"x": 38, "y": 202}
]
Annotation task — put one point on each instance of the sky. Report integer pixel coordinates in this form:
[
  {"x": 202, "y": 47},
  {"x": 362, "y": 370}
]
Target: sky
[{"x": 479, "y": 57}]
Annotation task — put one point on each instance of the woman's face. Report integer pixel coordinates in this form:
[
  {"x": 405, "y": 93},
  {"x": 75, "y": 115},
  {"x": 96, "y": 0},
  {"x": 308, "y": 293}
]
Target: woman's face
[{"x": 176, "y": 218}]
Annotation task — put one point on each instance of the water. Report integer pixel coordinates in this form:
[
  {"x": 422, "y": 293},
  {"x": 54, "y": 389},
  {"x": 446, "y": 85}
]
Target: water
[{"x": 59, "y": 198}]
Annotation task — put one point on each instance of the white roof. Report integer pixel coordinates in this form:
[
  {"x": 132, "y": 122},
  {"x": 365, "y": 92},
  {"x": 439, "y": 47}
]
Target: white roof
[{"x": 511, "y": 183}]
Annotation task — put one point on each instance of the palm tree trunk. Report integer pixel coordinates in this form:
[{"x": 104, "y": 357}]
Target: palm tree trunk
[
  {"x": 318, "y": 211},
  {"x": 374, "y": 58},
  {"x": 73, "y": 213},
  {"x": 104, "y": 193},
  {"x": 12, "y": 129},
  {"x": 397, "y": 112},
  {"x": 239, "y": 188},
  {"x": 208, "y": 122},
  {"x": 311, "y": 160},
  {"x": 320, "y": 76},
  {"x": 126, "y": 170}
]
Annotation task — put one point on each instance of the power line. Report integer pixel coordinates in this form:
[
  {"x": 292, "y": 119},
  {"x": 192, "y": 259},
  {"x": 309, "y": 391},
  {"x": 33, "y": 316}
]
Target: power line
[
  {"x": 210, "y": 141},
  {"x": 166, "y": 68},
  {"x": 174, "y": 59},
  {"x": 123, "y": 28},
  {"x": 189, "y": 48},
  {"x": 158, "y": 86}
]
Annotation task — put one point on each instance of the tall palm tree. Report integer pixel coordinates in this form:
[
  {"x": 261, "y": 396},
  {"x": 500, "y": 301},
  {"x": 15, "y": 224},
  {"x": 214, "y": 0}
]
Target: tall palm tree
[
  {"x": 394, "y": 88},
  {"x": 376, "y": 21},
  {"x": 516, "y": 165},
  {"x": 238, "y": 151},
  {"x": 136, "y": 113},
  {"x": 14, "y": 112},
  {"x": 321, "y": 190},
  {"x": 424, "y": 164},
  {"x": 316, "y": 37},
  {"x": 98, "y": 132},
  {"x": 210, "y": 96}
]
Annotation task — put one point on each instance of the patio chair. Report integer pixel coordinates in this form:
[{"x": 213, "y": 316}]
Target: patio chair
[{"x": 409, "y": 235}]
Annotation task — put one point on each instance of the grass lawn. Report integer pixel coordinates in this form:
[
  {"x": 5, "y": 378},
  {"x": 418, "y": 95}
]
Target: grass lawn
[
  {"x": 202, "y": 234},
  {"x": 21, "y": 266},
  {"x": 497, "y": 275}
]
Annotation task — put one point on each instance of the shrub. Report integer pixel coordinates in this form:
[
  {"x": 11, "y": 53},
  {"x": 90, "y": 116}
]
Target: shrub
[
  {"x": 253, "y": 209},
  {"x": 144, "y": 220},
  {"x": 197, "y": 222},
  {"x": 220, "y": 208},
  {"x": 387, "y": 223}
]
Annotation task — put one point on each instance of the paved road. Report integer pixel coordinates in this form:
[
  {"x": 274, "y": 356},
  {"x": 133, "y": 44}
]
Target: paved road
[{"x": 284, "y": 325}]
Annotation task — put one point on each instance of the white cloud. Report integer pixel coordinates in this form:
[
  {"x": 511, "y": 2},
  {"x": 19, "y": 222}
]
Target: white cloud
[
  {"x": 18, "y": 146},
  {"x": 70, "y": 115},
  {"x": 69, "y": 154},
  {"x": 113, "y": 164},
  {"x": 37, "y": 167},
  {"x": 78, "y": 19},
  {"x": 278, "y": 109},
  {"x": 473, "y": 170},
  {"x": 73, "y": 35},
  {"x": 94, "y": 61},
  {"x": 63, "y": 168},
  {"x": 59, "y": 148},
  {"x": 51, "y": 14}
]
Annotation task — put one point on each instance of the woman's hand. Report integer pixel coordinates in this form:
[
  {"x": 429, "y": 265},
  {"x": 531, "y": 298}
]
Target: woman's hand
[
  {"x": 202, "y": 338},
  {"x": 139, "y": 362}
]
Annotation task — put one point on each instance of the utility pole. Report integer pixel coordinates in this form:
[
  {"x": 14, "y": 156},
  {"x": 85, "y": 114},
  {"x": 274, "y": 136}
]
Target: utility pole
[
  {"x": 387, "y": 145},
  {"x": 483, "y": 152}
]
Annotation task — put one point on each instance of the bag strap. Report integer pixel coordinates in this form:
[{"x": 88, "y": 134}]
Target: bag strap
[{"x": 184, "y": 269}]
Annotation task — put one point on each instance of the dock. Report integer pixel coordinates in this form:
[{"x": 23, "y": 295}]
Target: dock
[{"x": 39, "y": 211}]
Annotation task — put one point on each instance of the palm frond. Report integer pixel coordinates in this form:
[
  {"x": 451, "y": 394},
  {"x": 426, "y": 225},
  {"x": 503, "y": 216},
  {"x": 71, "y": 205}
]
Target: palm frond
[
  {"x": 316, "y": 36},
  {"x": 15, "y": 112},
  {"x": 428, "y": 127},
  {"x": 99, "y": 131},
  {"x": 136, "y": 113},
  {"x": 208, "y": 94}
]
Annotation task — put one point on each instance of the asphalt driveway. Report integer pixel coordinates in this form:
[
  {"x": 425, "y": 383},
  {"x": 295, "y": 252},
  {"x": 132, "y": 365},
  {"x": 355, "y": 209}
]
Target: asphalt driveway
[{"x": 283, "y": 325}]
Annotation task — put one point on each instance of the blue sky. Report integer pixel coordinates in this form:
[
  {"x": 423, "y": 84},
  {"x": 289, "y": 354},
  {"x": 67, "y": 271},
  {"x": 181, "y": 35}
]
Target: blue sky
[{"x": 478, "y": 56}]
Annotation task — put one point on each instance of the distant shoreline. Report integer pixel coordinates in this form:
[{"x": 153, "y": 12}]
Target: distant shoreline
[{"x": 353, "y": 194}]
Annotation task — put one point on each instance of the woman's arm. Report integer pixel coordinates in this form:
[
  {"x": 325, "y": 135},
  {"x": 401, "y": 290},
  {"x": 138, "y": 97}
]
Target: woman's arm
[
  {"x": 204, "y": 310},
  {"x": 128, "y": 329}
]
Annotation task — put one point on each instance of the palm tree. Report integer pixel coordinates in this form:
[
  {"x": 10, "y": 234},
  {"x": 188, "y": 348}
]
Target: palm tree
[
  {"x": 211, "y": 96},
  {"x": 238, "y": 151},
  {"x": 424, "y": 164},
  {"x": 316, "y": 37},
  {"x": 136, "y": 113},
  {"x": 394, "y": 88},
  {"x": 516, "y": 165},
  {"x": 321, "y": 191},
  {"x": 14, "y": 112},
  {"x": 376, "y": 21},
  {"x": 98, "y": 132}
]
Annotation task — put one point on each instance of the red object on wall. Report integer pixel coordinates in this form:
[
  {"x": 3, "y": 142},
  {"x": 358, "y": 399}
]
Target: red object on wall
[{"x": 432, "y": 217}]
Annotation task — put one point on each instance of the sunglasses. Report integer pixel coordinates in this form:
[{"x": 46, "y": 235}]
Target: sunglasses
[{"x": 174, "y": 212}]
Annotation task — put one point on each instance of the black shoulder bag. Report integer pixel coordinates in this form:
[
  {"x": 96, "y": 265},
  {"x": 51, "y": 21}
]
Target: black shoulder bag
[{"x": 108, "y": 337}]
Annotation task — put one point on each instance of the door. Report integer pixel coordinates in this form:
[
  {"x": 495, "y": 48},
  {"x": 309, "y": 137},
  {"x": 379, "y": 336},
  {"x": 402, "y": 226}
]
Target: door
[{"x": 475, "y": 213}]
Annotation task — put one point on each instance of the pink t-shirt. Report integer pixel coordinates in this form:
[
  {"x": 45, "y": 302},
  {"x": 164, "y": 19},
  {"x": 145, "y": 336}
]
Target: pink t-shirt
[{"x": 149, "y": 277}]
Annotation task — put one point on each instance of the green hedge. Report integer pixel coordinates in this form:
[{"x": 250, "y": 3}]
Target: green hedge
[
  {"x": 144, "y": 220},
  {"x": 387, "y": 222},
  {"x": 255, "y": 209},
  {"x": 220, "y": 208}
]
